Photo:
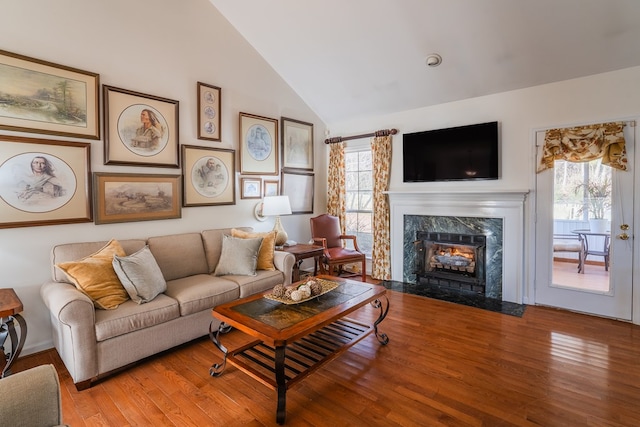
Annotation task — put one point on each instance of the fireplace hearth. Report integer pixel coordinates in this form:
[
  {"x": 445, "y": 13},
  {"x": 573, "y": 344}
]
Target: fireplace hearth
[{"x": 451, "y": 260}]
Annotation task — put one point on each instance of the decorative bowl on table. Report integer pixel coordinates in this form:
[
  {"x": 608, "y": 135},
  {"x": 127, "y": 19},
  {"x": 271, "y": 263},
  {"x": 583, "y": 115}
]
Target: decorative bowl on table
[{"x": 301, "y": 292}]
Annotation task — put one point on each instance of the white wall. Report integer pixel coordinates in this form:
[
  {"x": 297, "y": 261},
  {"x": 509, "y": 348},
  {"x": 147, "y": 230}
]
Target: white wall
[
  {"x": 594, "y": 99},
  {"x": 161, "y": 48}
]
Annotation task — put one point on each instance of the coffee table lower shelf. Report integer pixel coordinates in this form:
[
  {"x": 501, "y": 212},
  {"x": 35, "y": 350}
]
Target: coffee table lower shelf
[{"x": 301, "y": 357}]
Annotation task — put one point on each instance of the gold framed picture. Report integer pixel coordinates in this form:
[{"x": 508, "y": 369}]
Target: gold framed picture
[
  {"x": 297, "y": 144},
  {"x": 43, "y": 97},
  {"x": 123, "y": 197},
  {"x": 209, "y": 176},
  {"x": 44, "y": 182},
  {"x": 140, "y": 129},
  {"x": 250, "y": 188},
  {"x": 258, "y": 145},
  {"x": 209, "y": 112}
]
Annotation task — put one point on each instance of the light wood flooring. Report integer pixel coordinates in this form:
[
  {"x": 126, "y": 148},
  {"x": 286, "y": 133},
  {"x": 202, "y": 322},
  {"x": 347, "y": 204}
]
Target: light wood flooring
[
  {"x": 594, "y": 278},
  {"x": 445, "y": 365}
]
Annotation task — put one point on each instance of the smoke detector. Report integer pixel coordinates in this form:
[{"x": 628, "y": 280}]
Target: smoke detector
[{"x": 433, "y": 60}]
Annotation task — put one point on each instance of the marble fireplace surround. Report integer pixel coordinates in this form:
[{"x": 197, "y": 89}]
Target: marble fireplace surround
[{"x": 505, "y": 205}]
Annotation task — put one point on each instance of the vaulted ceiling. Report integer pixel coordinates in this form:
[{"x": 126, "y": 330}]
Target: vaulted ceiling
[{"x": 356, "y": 58}]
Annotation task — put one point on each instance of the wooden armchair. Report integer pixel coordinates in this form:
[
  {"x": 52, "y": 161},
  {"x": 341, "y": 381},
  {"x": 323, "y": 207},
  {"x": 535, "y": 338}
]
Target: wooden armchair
[{"x": 325, "y": 232}]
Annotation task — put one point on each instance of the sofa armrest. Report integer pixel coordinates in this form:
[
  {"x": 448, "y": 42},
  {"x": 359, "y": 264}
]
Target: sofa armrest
[
  {"x": 31, "y": 397},
  {"x": 73, "y": 321},
  {"x": 284, "y": 262}
]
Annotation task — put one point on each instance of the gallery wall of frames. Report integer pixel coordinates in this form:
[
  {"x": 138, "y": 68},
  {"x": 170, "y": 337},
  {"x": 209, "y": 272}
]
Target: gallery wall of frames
[{"x": 47, "y": 182}]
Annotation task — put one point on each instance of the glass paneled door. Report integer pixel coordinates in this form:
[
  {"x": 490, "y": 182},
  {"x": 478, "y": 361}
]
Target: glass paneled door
[{"x": 584, "y": 251}]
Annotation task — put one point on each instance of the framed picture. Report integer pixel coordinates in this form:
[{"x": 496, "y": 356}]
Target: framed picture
[
  {"x": 43, "y": 97},
  {"x": 123, "y": 197},
  {"x": 209, "y": 112},
  {"x": 140, "y": 129},
  {"x": 258, "y": 145},
  {"x": 270, "y": 188},
  {"x": 297, "y": 144},
  {"x": 298, "y": 186},
  {"x": 44, "y": 182},
  {"x": 251, "y": 188},
  {"x": 209, "y": 176}
]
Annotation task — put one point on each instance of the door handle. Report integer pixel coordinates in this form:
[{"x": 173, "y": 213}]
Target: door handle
[{"x": 623, "y": 236}]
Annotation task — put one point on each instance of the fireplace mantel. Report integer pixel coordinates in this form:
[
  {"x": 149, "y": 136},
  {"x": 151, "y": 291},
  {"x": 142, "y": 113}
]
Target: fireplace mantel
[{"x": 507, "y": 205}]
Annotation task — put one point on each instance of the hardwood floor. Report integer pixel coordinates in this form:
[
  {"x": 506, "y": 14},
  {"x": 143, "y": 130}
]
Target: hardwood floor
[{"x": 445, "y": 365}]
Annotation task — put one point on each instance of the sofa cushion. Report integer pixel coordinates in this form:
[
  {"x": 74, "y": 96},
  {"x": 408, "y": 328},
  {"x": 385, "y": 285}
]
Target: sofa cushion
[
  {"x": 140, "y": 275},
  {"x": 179, "y": 255},
  {"x": 239, "y": 256},
  {"x": 201, "y": 292},
  {"x": 265, "y": 255},
  {"x": 212, "y": 240},
  {"x": 130, "y": 317},
  {"x": 66, "y": 252},
  {"x": 94, "y": 275}
]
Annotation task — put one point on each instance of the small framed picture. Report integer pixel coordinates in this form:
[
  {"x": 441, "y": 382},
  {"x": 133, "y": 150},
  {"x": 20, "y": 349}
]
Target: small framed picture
[
  {"x": 43, "y": 97},
  {"x": 258, "y": 145},
  {"x": 298, "y": 186},
  {"x": 297, "y": 144},
  {"x": 44, "y": 182},
  {"x": 251, "y": 188},
  {"x": 140, "y": 129},
  {"x": 209, "y": 176},
  {"x": 124, "y": 197},
  {"x": 209, "y": 112},
  {"x": 271, "y": 188}
]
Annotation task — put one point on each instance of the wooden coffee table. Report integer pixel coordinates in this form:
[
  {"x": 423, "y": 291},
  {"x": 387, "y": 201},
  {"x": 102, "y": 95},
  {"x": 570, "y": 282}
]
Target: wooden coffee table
[{"x": 292, "y": 341}]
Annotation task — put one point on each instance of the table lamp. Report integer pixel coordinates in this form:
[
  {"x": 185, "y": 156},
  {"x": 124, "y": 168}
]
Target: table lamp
[{"x": 276, "y": 206}]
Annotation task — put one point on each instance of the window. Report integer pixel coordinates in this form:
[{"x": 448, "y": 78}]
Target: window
[
  {"x": 582, "y": 191},
  {"x": 359, "y": 197}
]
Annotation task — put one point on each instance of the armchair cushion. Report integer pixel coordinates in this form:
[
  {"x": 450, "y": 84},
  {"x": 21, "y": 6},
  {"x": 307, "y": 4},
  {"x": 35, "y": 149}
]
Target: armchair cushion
[
  {"x": 94, "y": 275},
  {"x": 31, "y": 398}
]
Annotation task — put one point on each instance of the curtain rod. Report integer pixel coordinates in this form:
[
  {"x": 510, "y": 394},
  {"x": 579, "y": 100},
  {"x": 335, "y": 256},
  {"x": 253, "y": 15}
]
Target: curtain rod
[{"x": 383, "y": 132}]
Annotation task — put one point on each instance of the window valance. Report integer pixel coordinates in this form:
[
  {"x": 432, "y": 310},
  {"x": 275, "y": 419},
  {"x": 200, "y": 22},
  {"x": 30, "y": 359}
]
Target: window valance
[{"x": 585, "y": 143}]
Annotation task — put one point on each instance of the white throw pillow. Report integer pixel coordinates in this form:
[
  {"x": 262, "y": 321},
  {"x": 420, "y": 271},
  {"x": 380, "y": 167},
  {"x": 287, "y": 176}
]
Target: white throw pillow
[
  {"x": 140, "y": 275},
  {"x": 239, "y": 256}
]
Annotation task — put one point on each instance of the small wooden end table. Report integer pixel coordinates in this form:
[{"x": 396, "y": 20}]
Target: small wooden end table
[
  {"x": 292, "y": 341},
  {"x": 10, "y": 307},
  {"x": 301, "y": 252}
]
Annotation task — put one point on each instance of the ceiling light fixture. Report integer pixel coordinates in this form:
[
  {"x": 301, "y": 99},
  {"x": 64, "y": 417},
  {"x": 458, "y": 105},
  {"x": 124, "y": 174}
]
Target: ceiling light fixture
[{"x": 433, "y": 60}]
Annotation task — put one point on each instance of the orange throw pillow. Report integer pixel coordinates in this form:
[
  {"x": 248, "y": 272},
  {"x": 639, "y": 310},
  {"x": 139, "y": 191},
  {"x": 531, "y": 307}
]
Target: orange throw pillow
[
  {"x": 94, "y": 276},
  {"x": 265, "y": 254}
]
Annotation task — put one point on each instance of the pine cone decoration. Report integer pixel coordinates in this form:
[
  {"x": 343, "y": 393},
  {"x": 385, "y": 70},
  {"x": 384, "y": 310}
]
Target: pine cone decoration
[
  {"x": 316, "y": 288},
  {"x": 278, "y": 291}
]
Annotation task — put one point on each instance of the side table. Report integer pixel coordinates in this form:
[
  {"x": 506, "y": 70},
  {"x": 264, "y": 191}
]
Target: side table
[
  {"x": 301, "y": 252},
  {"x": 10, "y": 308}
]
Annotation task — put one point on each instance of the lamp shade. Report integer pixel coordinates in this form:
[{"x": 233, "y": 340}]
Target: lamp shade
[{"x": 276, "y": 205}]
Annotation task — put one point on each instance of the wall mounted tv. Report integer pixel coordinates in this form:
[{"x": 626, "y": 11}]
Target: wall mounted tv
[{"x": 454, "y": 154}]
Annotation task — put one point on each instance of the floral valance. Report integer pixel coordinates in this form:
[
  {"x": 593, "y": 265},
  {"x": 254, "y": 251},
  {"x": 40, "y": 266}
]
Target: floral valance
[{"x": 585, "y": 143}]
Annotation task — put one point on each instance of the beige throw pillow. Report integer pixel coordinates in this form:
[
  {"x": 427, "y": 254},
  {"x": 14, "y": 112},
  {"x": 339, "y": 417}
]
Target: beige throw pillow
[
  {"x": 239, "y": 256},
  {"x": 265, "y": 255},
  {"x": 140, "y": 275},
  {"x": 94, "y": 275}
]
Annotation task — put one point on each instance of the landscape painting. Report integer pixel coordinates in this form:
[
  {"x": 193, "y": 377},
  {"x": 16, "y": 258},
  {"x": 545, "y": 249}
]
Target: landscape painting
[
  {"x": 136, "y": 197},
  {"x": 41, "y": 97}
]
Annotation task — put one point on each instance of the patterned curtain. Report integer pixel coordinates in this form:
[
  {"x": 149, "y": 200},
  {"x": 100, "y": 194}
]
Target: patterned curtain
[
  {"x": 585, "y": 143},
  {"x": 381, "y": 254},
  {"x": 336, "y": 187}
]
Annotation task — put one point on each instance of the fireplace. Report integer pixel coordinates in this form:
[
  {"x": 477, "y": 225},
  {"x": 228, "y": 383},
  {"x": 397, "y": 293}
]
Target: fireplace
[{"x": 452, "y": 260}]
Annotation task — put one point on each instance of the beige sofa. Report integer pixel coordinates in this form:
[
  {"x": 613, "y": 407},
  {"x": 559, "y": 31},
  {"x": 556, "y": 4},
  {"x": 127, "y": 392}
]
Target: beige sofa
[{"x": 94, "y": 342}]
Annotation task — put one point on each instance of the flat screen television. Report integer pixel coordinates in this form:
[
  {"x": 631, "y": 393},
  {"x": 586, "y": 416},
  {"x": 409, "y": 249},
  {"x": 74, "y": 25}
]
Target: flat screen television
[{"x": 453, "y": 154}]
